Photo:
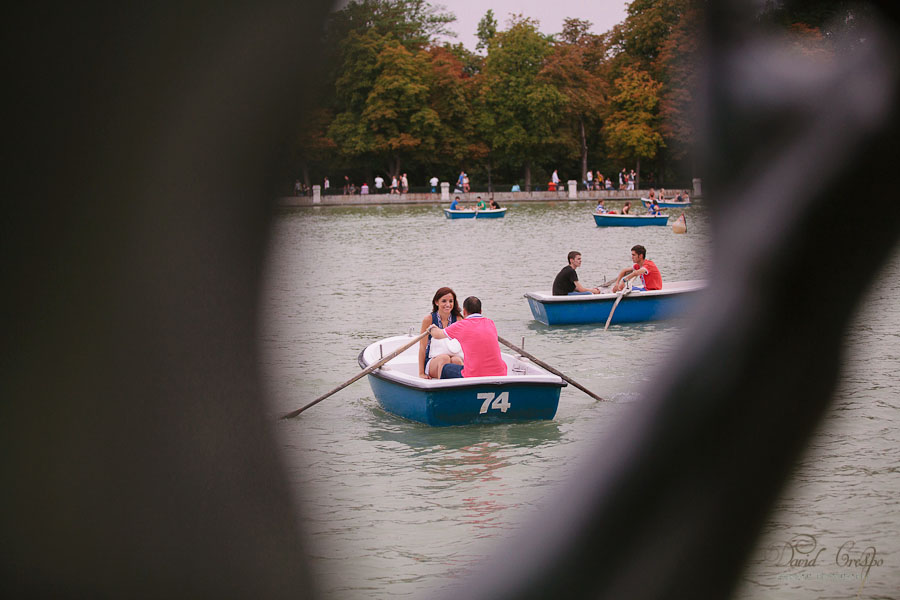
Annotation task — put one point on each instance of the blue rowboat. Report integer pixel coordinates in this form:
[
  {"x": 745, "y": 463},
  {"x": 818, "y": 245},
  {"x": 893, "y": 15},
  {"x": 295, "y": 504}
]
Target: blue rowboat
[
  {"x": 666, "y": 203},
  {"x": 635, "y": 307},
  {"x": 493, "y": 213},
  {"x": 527, "y": 393},
  {"x": 608, "y": 220}
]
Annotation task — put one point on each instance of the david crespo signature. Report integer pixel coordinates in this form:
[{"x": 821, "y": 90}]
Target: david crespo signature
[{"x": 803, "y": 552}]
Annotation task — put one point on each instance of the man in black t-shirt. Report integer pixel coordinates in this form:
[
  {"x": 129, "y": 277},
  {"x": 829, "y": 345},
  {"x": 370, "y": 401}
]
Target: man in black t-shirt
[{"x": 566, "y": 282}]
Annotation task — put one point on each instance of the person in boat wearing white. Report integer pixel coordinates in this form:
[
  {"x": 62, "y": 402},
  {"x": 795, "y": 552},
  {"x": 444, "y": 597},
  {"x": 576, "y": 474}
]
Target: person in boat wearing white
[
  {"x": 478, "y": 337},
  {"x": 433, "y": 356},
  {"x": 651, "y": 278},
  {"x": 566, "y": 282}
]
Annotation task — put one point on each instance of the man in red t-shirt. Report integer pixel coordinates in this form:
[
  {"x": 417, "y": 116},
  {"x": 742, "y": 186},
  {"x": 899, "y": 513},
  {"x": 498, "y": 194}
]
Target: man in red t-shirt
[
  {"x": 478, "y": 337},
  {"x": 651, "y": 278}
]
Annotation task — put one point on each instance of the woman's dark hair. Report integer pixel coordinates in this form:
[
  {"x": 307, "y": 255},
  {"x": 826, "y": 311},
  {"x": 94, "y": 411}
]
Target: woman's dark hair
[{"x": 440, "y": 294}]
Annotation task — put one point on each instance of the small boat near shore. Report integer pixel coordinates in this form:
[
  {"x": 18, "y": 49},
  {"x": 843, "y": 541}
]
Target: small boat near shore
[
  {"x": 616, "y": 220},
  {"x": 666, "y": 203},
  {"x": 492, "y": 213},
  {"x": 527, "y": 393},
  {"x": 635, "y": 307}
]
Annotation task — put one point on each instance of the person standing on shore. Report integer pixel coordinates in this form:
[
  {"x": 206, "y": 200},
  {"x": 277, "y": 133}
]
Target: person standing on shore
[{"x": 379, "y": 184}]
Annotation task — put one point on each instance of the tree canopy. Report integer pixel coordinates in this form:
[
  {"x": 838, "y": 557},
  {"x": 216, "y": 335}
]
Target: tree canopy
[{"x": 395, "y": 97}]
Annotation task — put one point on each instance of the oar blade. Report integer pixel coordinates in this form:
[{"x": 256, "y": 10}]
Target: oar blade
[{"x": 356, "y": 377}]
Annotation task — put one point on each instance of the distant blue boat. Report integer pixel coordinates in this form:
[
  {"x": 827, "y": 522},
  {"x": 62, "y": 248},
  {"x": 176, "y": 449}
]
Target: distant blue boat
[
  {"x": 635, "y": 307},
  {"x": 666, "y": 203},
  {"x": 526, "y": 393},
  {"x": 493, "y": 213},
  {"x": 614, "y": 220}
]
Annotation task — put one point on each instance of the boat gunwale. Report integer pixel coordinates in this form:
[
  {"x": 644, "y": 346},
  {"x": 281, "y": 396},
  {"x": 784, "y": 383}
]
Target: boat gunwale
[
  {"x": 666, "y": 203},
  {"x": 432, "y": 385},
  {"x": 696, "y": 285},
  {"x": 620, "y": 216}
]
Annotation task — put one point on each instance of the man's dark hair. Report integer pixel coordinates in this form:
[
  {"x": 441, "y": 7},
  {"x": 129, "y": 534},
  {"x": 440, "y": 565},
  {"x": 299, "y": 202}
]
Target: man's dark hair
[
  {"x": 572, "y": 255},
  {"x": 640, "y": 250},
  {"x": 472, "y": 305}
]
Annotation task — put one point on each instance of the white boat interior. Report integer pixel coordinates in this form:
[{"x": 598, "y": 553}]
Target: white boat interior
[
  {"x": 404, "y": 368},
  {"x": 674, "y": 287}
]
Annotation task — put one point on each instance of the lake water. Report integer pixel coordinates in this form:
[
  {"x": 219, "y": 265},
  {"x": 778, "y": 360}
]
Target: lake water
[{"x": 393, "y": 509}]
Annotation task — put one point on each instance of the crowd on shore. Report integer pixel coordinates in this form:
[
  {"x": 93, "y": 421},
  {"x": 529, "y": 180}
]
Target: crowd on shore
[{"x": 591, "y": 181}]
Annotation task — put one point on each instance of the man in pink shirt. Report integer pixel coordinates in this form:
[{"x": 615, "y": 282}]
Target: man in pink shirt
[{"x": 478, "y": 337}]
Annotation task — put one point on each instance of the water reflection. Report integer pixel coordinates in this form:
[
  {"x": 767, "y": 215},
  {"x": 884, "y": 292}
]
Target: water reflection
[{"x": 422, "y": 438}]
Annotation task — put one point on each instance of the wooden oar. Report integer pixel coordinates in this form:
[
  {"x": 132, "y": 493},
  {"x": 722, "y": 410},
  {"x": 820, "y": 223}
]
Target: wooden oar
[
  {"x": 538, "y": 361},
  {"x": 619, "y": 296},
  {"x": 365, "y": 371}
]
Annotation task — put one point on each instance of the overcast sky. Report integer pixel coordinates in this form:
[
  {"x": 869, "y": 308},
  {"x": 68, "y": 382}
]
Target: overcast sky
[{"x": 604, "y": 14}]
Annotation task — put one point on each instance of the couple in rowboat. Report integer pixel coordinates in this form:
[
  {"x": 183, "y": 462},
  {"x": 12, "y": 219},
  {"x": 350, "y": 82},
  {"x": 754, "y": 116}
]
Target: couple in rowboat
[
  {"x": 458, "y": 345},
  {"x": 567, "y": 283}
]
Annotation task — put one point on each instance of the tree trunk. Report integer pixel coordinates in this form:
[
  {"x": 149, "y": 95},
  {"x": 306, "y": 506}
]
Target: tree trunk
[
  {"x": 583, "y": 149},
  {"x": 304, "y": 170},
  {"x": 490, "y": 183},
  {"x": 637, "y": 175},
  {"x": 527, "y": 175}
]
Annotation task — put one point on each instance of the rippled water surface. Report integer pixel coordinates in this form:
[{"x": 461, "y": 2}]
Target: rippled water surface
[{"x": 394, "y": 508}]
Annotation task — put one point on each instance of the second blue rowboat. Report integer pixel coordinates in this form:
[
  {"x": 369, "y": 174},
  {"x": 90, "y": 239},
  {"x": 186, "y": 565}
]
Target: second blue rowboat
[
  {"x": 494, "y": 213},
  {"x": 527, "y": 393},
  {"x": 613, "y": 220},
  {"x": 635, "y": 307}
]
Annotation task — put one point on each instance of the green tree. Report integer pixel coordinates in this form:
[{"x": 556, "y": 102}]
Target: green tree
[
  {"x": 678, "y": 61},
  {"x": 414, "y": 23},
  {"x": 451, "y": 90},
  {"x": 487, "y": 31},
  {"x": 659, "y": 38},
  {"x": 384, "y": 101},
  {"x": 571, "y": 69},
  {"x": 519, "y": 111},
  {"x": 631, "y": 129}
]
